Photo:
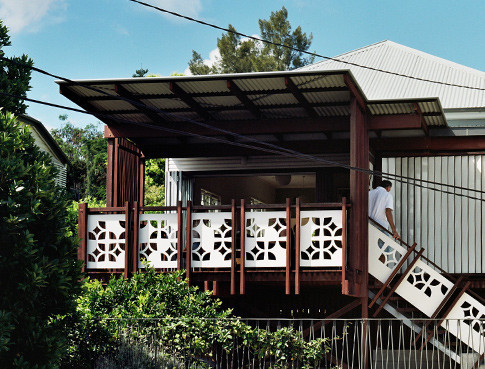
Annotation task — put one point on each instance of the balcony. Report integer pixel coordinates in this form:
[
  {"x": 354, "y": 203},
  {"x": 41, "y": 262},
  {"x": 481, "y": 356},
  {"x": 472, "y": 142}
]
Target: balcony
[{"x": 237, "y": 243}]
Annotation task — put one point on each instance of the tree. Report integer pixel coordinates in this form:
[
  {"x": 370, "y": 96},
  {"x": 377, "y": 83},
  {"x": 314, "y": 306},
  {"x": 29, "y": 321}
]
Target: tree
[
  {"x": 155, "y": 182},
  {"x": 86, "y": 149},
  {"x": 14, "y": 78},
  {"x": 140, "y": 73},
  {"x": 238, "y": 55},
  {"x": 39, "y": 271}
]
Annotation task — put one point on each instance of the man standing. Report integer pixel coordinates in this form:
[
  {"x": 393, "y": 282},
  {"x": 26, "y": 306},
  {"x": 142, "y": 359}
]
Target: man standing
[{"x": 381, "y": 205}]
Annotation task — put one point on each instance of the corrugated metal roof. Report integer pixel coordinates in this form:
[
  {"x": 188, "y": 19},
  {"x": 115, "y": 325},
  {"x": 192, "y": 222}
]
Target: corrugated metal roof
[
  {"x": 393, "y": 57},
  {"x": 245, "y": 96}
]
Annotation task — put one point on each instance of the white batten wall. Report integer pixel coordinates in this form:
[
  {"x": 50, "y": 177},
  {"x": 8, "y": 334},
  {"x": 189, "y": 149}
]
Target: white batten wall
[{"x": 448, "y": 227}]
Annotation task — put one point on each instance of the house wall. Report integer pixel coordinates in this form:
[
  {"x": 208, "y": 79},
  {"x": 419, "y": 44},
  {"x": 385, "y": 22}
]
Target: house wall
[
  {"x": 61, "y": 177},
  {"x": 448, "y": 227}
]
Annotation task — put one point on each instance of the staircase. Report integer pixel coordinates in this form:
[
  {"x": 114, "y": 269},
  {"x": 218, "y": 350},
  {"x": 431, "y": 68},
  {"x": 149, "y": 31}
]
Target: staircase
[{"x": 408, "y": 277}]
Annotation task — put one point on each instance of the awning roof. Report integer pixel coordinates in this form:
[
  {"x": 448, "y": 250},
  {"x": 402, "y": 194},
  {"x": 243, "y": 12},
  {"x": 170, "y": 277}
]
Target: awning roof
[{"x": 235, "y": 97}]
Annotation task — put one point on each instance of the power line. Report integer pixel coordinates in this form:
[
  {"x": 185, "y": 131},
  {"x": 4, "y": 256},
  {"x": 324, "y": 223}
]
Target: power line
[
  {"x": 311, "y": 157},
  {"x": 300, "y": 50},
  {"x": 273, "y": 148}
]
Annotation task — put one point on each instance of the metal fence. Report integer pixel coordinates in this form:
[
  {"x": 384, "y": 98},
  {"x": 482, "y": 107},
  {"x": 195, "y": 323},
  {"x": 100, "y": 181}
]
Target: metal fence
[{"x": 279, "y": 343}]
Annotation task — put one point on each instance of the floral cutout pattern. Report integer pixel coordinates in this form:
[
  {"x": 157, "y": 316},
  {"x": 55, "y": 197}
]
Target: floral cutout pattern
[
  {"x": 321, "y": 238},
  {"x": 266, "y": 239},
  {"x": 211, "y": 240},
  {"x": 390, "y": 257},
  {"x": 106, "y": 241},
  {"x": 158, "y": 235}
]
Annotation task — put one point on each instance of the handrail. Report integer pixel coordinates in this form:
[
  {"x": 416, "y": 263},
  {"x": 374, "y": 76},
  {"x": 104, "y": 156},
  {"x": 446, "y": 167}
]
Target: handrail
[{"x": 415, "y": 251}]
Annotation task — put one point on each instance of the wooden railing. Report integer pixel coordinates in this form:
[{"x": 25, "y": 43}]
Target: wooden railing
[{"x": 235, "y": 238}]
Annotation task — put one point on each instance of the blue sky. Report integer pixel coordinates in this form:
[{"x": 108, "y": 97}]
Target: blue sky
[{"x": 84, "y": 39}]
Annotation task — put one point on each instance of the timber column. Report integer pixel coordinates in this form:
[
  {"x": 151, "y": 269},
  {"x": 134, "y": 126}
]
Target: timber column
[
  {"x": 125, "y": 172},
  {"x": 356, "y": 283}
]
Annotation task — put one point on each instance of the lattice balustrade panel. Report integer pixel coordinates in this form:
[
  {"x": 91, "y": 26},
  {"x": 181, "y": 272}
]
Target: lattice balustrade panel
[
  {"x": 106, "y": 241},
  {"x": 211, "y": 240},
  {"x": 158, "y": 241},
  {"x": 424, "y": 287},
  {"x": 466, "y": 322},
  {"x": 384, "y": 253},
  {"x": 266, "y": 239},
  {"x": 321, "y": 238}
]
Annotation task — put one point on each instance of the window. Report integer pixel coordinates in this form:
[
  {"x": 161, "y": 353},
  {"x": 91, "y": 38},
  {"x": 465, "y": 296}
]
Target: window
[{"x": 209, "y": 199}]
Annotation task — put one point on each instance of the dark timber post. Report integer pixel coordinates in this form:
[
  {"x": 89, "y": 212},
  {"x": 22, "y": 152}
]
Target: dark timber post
[
  {"x": 376, "y": 180},
  {"x": 82, "y": 233},
  {"x": 110, "y": 173},
  {"x": 359, "y": 188}
]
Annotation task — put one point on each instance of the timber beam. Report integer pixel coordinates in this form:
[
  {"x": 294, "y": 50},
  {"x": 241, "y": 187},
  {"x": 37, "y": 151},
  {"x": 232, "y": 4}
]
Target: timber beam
[
  {"x": 102, "y": 116},
  {"x": 258, "y": 126},
  {"x": 221, "y": 149},
  {"x": 244, "y": 99},
  {"x": 448, "y": 145},
  {"x": 186, "y": 98},
  {"x": 219, "y": 93},
  {"x": 141, "y": 107},
  {"x": 355, "y": 92},
  {"x": 299, "y": 96}
]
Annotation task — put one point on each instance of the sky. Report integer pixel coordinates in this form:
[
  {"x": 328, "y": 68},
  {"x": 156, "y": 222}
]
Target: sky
[{"x": 88, "y": 39}]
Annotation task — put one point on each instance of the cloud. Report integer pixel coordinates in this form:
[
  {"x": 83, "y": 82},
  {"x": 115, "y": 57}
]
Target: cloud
[
  {"x": 19, "y": 15},
  {"x": 118, "y": 28},
  {"x": 214, "y": 57},
  {"x": 190, "y": 8}
]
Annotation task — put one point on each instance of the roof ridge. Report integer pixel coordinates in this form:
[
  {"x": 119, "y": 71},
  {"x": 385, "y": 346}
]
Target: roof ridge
[{"x": 405, "y": 48}]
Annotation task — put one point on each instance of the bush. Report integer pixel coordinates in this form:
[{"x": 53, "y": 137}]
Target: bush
[
  {"x": 161, "y": 309},
  {"x": 39, "y": 271},
  {"x": 73, "y": 213}
]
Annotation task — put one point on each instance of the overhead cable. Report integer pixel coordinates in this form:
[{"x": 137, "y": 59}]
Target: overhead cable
[
  {"x": 311, "y": 157},
  {"x": 302, "y": 51}
]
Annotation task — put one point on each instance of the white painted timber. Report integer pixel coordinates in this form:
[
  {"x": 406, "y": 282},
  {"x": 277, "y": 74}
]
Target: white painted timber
[
  {"x": 321, "y": 238},
  {"x": 106, "y": 241},
  {"x": 158, "y": 240},
  {"x": 211, "y": 240}
]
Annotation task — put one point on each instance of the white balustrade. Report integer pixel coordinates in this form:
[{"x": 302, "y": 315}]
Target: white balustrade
[
  {"x": 321, "y": 238},
  {"x": 211, "y": 240},
  {"x": 384, "y": 253},
  {"x": 265, "y": 239},
  {"x": 105, "y": 245},
  {"x": 424, "y": 287},
  {"x": 466, "y": 322},
  {"x": 157, "y": 240}
]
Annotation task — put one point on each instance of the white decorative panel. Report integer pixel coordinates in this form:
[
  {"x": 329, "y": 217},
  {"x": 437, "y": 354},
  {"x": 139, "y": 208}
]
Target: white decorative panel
[
  {"x": 211, "y": 240},
  {"x": 321, "y": 238},
  {"x": 158, "y": 240},
  {"x": 106, "y": 241},
  {"x": 266, "y": 239},
  {"x": 424, "y": 287},
  {"x": 466, "y": 322},
  {"x": 384, "y": 253}
]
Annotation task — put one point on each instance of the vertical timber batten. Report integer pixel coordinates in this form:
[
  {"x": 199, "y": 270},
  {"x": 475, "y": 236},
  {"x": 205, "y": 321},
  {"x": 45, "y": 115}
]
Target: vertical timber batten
[
  {"x": 124, "y": 173},
  {"x": 356, "y": 280}
]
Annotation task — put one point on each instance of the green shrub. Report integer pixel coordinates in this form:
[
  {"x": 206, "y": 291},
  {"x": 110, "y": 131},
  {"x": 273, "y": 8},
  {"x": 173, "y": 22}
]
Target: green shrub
[
  {"x": 73, "y": 213},
  {"x": 39, "y": 271},
  {"x": 162, "y": 308}
]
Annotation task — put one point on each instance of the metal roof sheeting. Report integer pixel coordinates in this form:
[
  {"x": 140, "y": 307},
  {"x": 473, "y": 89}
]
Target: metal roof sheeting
[
  {"x": 393, "y": 57},
  {"x": 213, "y": 97}
]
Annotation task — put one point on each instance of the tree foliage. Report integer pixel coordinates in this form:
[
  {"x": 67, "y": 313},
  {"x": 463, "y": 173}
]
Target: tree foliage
[
  {"x": 155, "y": 182},
  {"x": 14, "y": 78},
  {"x": 238, "y": 55},
  {"x": 86, "y": 149},
  {"x": 38, "y": 261},
  {"x": 163, "y": 308}
]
